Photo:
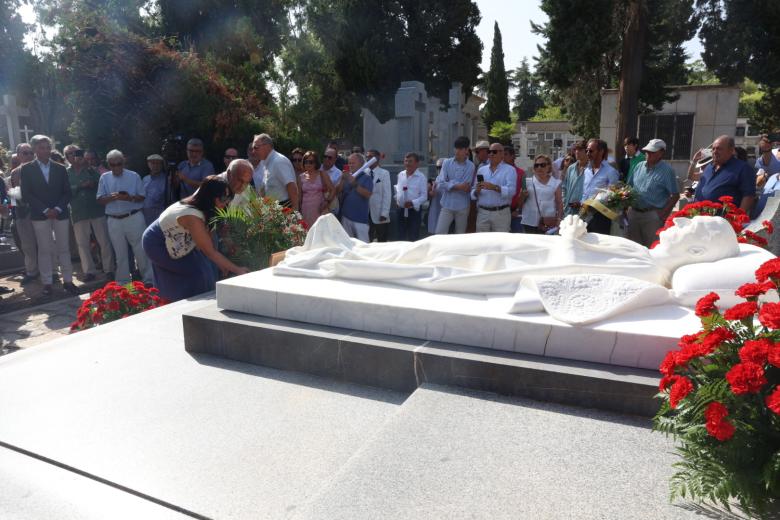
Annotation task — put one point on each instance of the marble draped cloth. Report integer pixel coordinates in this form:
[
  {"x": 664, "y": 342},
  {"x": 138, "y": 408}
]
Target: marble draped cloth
[{"x": 576, "y": 278}]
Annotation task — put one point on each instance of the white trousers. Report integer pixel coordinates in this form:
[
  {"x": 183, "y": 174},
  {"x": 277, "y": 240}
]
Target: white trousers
[
  {"x": 355, "y": 229},
  {"x": 494, "y": 220},
  {"x": 446, "y": 216},
  {"x": 99, "y": 227},
  {"x": 124, "y": 230},
  {"x": 52, "y": 237},
  {"x": 28, "y": 245}
]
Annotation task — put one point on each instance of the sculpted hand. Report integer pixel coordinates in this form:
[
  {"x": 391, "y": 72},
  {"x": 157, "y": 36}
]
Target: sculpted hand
[
  {"x": 242, "y": 270},
  {"x": 572, "y": 227}
]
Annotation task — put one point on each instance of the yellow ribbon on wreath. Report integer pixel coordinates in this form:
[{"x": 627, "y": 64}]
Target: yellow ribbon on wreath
[{"x": 601, "y": 208}]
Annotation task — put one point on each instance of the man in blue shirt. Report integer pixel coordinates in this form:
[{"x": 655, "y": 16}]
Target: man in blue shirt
[
  {"x": 454, "y": 182},
  {"x": 121, "y": 191},
  {"x": 766, "y": 162},
  {"x": 727, "y": 176},
  {"x": 155, "y": 185},
  {"x": 598, "y": 176},
  {"x": 357, "y": 192},
  {"x": 192, "y": 171},
  {"x": 656, "y": 185}
]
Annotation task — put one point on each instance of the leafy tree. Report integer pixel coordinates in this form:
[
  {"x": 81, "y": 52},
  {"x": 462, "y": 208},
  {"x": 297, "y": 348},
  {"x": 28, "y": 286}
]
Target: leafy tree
[
  {"x": 699, "y": 74},
  {"x": 496, "y": 84},
  {"x": 377, "y": 44},
  {"x": 553, "y": 113},
  {"x": 741, "y": 39},
  {"x": 582, "y": 54},
  {"x": 502, "y": 131},
  {"x": 13, "y": 56},
  {"x": 528, "y": 99}
]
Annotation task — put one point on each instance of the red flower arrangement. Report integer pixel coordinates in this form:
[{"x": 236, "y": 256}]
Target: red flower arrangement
[
  {"x": 721, "y": 399},
  {"x": 114, "y": 302},
  {"x": 726, "y": 209}
]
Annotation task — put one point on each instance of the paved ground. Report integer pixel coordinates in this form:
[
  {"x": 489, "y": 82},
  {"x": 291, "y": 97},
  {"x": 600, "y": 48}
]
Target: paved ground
[{"x": 38, "y": 324}]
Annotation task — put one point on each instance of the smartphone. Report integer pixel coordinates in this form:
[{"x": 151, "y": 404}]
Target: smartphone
[
  {"x": 480, "y": 177},
  {"x": 122, "y": 193}
]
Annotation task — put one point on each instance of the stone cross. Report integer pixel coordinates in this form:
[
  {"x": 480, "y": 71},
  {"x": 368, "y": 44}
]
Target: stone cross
[
  {"x": 26, "y": 131},
  {"x": 12, "y": 113}
]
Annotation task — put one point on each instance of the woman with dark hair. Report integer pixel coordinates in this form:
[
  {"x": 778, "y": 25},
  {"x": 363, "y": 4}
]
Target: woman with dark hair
[
  {"x": 179, "y": 243},
  {"x": 316, "y": 189}
]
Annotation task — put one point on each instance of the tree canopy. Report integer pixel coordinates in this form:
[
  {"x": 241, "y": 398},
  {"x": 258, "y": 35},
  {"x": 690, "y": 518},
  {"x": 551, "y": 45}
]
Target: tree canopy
[
  {"x": 528, "y": 99},
  {"x": 496, "y": 84}
]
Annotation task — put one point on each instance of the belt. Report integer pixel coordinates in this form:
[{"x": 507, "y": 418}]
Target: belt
[
  {"x": 124, "y": 215},
  {"x": 494, "y": 208}
]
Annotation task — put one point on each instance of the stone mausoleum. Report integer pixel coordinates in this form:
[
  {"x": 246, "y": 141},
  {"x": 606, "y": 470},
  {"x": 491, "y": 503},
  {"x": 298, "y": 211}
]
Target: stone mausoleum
[{"x": 424, "y": 124}]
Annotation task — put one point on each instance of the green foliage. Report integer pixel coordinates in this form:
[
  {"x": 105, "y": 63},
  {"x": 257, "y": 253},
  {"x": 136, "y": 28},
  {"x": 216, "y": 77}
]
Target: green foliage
[
  {"x": 13, "y": 56},
  {"x": 554, "y": 113},
  {"x": 582, "y": 54},
  {"x": 699, "y": 74},
  {"x": 528, "y": 99},
  {"x": 502, "y": 131},
  {"x": 496, "y": 84},
  {"x": 376, "y": 44}
]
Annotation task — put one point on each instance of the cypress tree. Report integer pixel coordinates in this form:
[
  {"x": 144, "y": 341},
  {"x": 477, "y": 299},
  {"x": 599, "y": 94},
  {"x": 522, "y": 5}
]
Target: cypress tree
[{"x": 496, "y": 84}]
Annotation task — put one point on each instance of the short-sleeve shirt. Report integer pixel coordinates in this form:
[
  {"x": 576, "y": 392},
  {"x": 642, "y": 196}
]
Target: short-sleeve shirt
[
  {"x": 83, "y": 202},
  {"x": 154, "y": 193},
  {"x": 278, "y": 173},
  {"x": 735, "y": 178},
  {"x": 355, "y": 206},
  {"x": 772, "y": 168},
  {"x": 571, "y": 189},
  {"x": 593, "y": 182},
  {"x": 130, "y": 182},
  {"x": 654, "y": 185},
  {"x": 194, "y": 172},
  {"x": 178, "y": 241}
]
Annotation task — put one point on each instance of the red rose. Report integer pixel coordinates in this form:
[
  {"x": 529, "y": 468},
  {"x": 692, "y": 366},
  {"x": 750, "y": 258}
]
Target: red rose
[
  {"x": 773, "y": 400},
  {"x": 751, "y": 291},
  {"x": 669, "y": 363},
  {"x": 755, "y": 351},
  {"x": 726, "y": 199},
  {"x": 706, "y": 304},
  {"x": 714, "y": 339},
  {"x": 716, "y": 424},
  {"x": 770, "y": 228},
  {"x": 769, "y": 315},
  {"x": 769, "y": 269},
  {"x": 741, "y": 311},
  {"x": 746, "y": 378}
]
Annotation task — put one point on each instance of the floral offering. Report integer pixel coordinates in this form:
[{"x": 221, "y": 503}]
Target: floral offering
[
  {"x": 251, "y": 234},
  {"x": 113, "y": 302},
  {"x": 721, "y": 399}
]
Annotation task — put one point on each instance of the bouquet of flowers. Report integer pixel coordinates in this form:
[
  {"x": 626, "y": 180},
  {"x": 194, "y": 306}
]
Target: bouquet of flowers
[
  {"x": 723, "y": 208},
  {"x": 251, "y": 233},
  {"x": 721, "y": 400},
  {"x": 611, "y": 201},
  {"x": 114, "y": 302}
]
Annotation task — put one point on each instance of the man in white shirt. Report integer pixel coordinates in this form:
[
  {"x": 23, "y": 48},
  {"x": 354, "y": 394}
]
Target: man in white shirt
[
  {"x": 410, "y": 192},
  {"x": 279, "y": 181},
  {"x": 379, "y": 203},
  {"x": 496, "y": 185}
]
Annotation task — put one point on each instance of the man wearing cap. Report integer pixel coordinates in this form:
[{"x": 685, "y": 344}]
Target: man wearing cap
[
  {"x": 155, "y": 188},
  {"x": 481, "y": 152},
  {"x": 727, "y": 176},
  {"x": 87, "y": 215},
  {"x": 656, "y": 185},
  {"x": 494, "y": 193}
]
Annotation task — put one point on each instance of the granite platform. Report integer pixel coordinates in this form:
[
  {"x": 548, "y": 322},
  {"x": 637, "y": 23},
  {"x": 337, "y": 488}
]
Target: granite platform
[{"x": 637, "y": 339}]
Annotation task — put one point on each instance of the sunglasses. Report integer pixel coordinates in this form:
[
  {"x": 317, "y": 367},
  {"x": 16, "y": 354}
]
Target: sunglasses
[
  {"x": 540, "y": 164},
  {"x": 494, "y": 152},
  {"x": 309, "y": 161}
]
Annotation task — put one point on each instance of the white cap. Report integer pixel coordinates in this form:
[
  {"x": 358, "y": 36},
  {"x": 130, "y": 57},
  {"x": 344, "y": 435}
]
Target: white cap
[
  {"x": 706, "y": 158},
  {"x": 654, "y": 145}
]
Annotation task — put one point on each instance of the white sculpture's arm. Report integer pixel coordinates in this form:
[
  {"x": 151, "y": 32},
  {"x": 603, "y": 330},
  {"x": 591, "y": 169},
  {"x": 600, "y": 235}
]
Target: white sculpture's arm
[{"x": 572, "y": 227}]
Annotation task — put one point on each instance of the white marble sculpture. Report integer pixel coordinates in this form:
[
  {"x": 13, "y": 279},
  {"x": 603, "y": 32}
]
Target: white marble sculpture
[{"x": 577, "y": 277}]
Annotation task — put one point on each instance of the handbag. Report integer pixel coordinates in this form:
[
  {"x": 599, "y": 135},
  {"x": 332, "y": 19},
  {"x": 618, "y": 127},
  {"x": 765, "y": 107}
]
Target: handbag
[{"x": 545, "y": 223}]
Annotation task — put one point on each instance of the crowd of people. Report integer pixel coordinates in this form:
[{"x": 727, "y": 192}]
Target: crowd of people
[{"x": 156, "y": 226}]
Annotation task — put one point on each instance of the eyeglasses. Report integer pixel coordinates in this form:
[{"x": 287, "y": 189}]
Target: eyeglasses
[
  {"x": 309, "y": 161},
  {"x": 494, "y": 152},
  {"x": 589, "y": 151},
  {"x": 540, "y": 164},
  {"x": 114, "y": 164}
]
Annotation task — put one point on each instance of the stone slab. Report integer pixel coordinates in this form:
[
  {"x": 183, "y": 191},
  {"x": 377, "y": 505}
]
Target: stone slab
[
  {"x": 402, "y": 364},
  {"x": 127, "y": 403},
  {"x": 30, "y": 488},
  {"x": 462, "y": 455},
  {"x": 467, "y": 320}
]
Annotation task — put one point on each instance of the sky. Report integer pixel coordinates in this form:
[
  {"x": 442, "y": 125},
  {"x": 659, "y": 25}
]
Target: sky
[{"x": 514, "y": 20}]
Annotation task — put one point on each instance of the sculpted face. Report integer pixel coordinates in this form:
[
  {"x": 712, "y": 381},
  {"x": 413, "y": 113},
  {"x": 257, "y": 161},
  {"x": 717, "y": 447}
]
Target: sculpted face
[{"x": 696, "y": 240}]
